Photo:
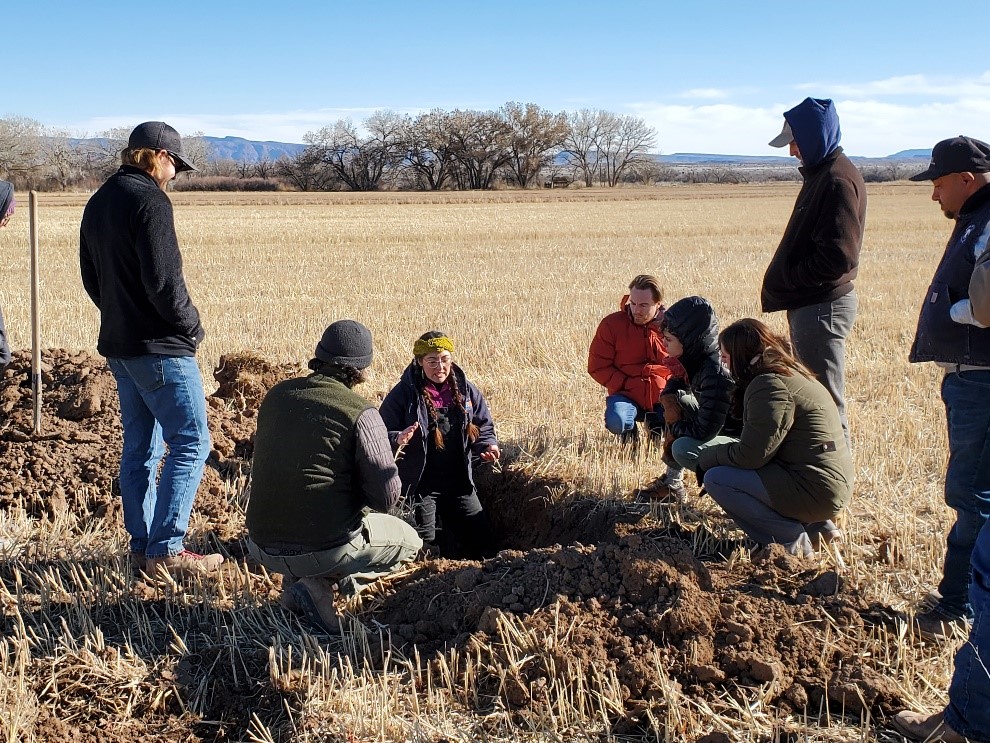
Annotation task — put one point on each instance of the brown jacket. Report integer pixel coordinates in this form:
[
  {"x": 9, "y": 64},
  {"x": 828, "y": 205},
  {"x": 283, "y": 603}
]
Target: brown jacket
[{"x": 818, "y": 255}]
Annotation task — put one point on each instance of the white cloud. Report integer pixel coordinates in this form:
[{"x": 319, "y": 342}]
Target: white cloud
[
  {"x": 871, "y": 128},
  {"x": 928, "y": 86}
]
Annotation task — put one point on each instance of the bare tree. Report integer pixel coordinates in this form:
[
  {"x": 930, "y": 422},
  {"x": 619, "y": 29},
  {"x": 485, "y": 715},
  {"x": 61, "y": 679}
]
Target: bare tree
[
  {"x": 307, "y": 171},
  {"x": 63, "y": 163},
  {"x": 428, "y": 145},
  {"x": 535, "y": 137},
  {"x": 479, "y": 141},
  {"x": 622, "y": 142},
  {"x": 20, "y": 145},
  {"x": 581, "y": 143},
  {"x": 359, "y": 161}
]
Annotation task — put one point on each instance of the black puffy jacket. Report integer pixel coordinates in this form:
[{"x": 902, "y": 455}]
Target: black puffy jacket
[{"x": 692, "y": 321}]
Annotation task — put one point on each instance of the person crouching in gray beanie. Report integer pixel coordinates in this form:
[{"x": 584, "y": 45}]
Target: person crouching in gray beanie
[{"x": 321, "y": 458}]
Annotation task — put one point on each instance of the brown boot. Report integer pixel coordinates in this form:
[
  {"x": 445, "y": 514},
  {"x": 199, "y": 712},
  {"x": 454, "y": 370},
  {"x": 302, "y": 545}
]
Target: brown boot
[
  {"x": 315, "y": 597},
  {"x": 184, "y": 563},
  {"x": 286, "y": 599},
  {"x": 917, "y": 726}
]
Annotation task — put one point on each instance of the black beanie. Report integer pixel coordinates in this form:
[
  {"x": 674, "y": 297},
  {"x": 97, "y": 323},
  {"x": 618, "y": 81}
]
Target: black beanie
[{"x": 345, "y": 342}]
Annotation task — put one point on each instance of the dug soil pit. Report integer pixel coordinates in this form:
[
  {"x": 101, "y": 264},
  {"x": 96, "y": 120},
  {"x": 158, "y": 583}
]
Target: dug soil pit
[{"x": 586, "y": 588}]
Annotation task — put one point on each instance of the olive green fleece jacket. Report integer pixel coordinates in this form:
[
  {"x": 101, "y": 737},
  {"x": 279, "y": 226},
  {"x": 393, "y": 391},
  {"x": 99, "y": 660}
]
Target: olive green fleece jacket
[
  {"x": 321, "y": 456},
  {"x": 792, "y": 437}
]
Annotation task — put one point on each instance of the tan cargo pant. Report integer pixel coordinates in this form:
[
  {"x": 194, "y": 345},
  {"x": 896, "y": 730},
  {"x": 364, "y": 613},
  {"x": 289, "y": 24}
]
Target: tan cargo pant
[{"x": 385, "y": 544}]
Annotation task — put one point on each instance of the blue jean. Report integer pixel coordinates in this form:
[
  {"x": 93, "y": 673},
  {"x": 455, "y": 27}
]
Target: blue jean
[
  {"x": 161, "y": 402},
  {"x": 621, "y": 415},
  {"x": 968, "y": 712},
  {"x": 818, "y": 333},
  {"x": 967, "y": 480}
]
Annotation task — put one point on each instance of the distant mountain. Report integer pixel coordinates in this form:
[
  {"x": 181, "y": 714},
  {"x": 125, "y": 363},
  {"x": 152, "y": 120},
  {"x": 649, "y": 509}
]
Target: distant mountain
[
  {"x": 699, "y": 158},
  {"x": 248, "y": 151},
  {"x": 909, "y": 154}
]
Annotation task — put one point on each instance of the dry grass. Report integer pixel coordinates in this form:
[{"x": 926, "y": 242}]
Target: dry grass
[{"x": 520, "y": 281}]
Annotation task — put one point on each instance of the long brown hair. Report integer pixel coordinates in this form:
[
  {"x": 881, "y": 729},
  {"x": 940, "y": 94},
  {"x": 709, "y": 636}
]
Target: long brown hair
[
  {"x": 144, "y": 158},
  {"x": 754, "y": 349},
  {"x": 455, "y": 393}
]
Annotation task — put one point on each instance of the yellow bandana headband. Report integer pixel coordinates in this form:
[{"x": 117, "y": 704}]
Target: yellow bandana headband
[{"x": 443, "y": 343}]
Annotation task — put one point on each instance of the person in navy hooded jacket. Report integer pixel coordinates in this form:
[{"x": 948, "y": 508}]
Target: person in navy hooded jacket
[{"x": 811, "y": 274}]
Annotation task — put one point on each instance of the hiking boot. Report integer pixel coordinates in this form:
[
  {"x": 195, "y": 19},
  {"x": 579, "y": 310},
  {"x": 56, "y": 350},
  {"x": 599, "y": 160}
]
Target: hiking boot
[
  {"x": 824, "y": 533},
  {"x": 916, "y": 726},
  {"x": 669, "y": 488},
  {"x": 286, "y": 599},
  {"x": 801, "y": 547},
  {"x": 673, "y": 480},
  {"x": 184, "y": 563},
  {"x": 314, "y": 596},
  {"x": 937, "y": 624},
  {"x": 930, "y": 600}
]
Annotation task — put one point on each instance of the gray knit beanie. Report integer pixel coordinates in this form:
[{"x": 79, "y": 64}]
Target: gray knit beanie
[{"x": 345, "y": 342}]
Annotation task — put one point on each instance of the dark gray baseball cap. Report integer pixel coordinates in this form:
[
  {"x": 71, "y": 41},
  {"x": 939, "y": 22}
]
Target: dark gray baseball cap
[
  {"x": 157, "y": 135},
  {"x": 957, "y": 155}
]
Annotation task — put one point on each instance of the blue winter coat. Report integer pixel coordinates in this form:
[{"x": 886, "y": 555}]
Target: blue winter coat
[{"x": 404, "y": 405}]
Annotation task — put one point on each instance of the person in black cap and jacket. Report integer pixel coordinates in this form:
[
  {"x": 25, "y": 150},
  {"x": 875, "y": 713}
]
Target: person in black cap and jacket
[
  {"x": 149, "y": 331},
  {"x": 323, "y": 481},
  {"x": 953, "y": 332},
  {"x": 811, "y": 273},
  {"x": 7, "y": 205}
]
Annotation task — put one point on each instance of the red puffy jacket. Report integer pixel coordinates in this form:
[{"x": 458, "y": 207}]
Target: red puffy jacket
[{"x": 631, "y": 360}]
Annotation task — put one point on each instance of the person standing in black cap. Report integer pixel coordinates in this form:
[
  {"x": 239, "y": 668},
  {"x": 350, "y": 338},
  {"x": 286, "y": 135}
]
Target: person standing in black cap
[
  {"x": 7, "y": 205},
  {"x": 322, "y": 459},
  {"x": 953, "y": 333},
  {"x": 149, "y": 332}
]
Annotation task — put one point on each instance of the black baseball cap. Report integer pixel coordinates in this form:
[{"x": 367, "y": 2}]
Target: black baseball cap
[
  {"x": 157, "y": 135},
  {"x": 957, "y": 155}
]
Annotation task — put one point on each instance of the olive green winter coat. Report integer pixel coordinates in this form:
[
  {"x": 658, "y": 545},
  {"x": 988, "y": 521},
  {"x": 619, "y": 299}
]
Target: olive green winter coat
[{"x": 792, "y": 437}]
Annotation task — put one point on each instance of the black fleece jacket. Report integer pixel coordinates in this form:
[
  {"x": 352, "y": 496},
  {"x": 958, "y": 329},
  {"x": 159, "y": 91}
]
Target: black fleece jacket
[
  {"x": 132, "y": 270},
  {"x": 692, "y": 321}
]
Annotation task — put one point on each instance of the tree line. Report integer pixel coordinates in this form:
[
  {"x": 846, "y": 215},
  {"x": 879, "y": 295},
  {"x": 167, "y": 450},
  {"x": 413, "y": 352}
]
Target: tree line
[{"x": 517, "y": 144}]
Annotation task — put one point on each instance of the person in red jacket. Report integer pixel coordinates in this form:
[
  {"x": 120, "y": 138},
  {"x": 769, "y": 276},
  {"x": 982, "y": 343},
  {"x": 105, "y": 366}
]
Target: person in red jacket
[{"x": 628, "y": 357}]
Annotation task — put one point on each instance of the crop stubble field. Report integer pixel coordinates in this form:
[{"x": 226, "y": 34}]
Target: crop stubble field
[{"x": 519, "y": 280}]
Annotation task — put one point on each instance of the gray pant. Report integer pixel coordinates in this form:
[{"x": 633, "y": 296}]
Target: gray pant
[
  {"x": 818, "y": 334},
  {"x": 685, "y": 450},
  {"x": 742, "y": 495},
  {"x": 385, "y": 544}
]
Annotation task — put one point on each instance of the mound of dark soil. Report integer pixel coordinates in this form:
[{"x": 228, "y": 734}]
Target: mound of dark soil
[
  {"x": 593, "y": 585},
  {"x": 72, "y": 464}
]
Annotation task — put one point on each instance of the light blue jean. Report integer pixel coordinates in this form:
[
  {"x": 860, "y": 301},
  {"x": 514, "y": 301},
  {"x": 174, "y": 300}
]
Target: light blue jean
[
  {"x": 161, "y": 402},
  {"x": 622, "y": 414},
  {"x": 968, "y": 712},
  {"x": 967, "y": 480}
]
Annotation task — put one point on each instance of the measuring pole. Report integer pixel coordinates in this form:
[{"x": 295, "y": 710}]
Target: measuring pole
[{"x": 35, "y": 314}]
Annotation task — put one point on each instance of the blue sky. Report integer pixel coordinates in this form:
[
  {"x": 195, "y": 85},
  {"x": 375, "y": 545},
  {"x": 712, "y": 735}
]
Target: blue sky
[{"x": 709, "y": 75}]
